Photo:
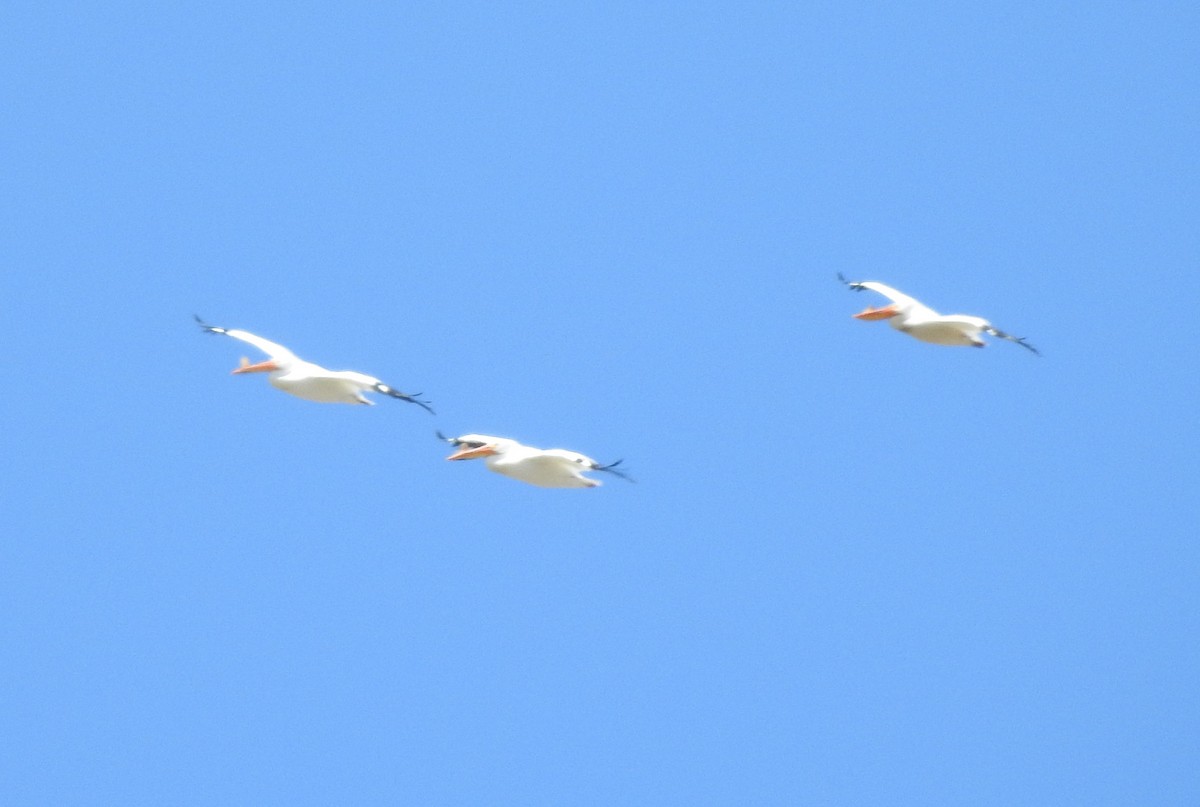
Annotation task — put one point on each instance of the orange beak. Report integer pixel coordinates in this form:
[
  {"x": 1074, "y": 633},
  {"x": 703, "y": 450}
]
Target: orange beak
[
  {"x": 887, "y": 312},
  {"x": 471, "y": 453},
  {"x": 262, "y": 367}
]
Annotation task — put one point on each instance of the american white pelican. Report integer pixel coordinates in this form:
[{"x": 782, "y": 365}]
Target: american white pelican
[
  {"x": 919, "y": 320},
  {"x": 290, "y": 373},
  {"x": 544, "y": 467}
]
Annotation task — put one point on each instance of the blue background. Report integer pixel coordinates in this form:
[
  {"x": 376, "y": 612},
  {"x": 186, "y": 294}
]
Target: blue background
[{"x": 856, "y": 569}]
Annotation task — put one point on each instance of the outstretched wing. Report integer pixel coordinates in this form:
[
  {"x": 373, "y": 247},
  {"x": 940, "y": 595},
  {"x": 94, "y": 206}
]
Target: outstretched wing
[
  {"x": 911, "y": 304},
  {"x": 275, "y": 351}
]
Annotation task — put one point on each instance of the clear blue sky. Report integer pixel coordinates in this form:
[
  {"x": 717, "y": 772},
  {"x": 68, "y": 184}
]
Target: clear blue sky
[{"x": 856, "y": 569}]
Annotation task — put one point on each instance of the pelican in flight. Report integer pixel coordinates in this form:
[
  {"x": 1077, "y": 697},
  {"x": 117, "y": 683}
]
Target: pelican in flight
[
  {"x": 288, "y": 372},
  {"x": 544, "y": 467},
  {"x": 916, "y": 319}
]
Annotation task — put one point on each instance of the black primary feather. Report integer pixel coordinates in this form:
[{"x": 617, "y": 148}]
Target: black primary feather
[
  {"x": 855, "y": 285},
  {"x": 404, "y": 396},
  {"x": 1020, "y": 340},
  {"x": 612, "y": 469},
  {"x": 206, "y": 327}
]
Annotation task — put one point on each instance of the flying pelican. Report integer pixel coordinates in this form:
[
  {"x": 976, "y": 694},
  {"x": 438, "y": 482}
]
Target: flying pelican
[
  {"x": 290, "y": 373},
  {"x": 919, "y": 320},
  {"x": 544, "y": 467}
]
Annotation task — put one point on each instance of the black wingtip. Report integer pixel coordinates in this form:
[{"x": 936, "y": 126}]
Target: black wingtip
[
  {"x": 444, "y": 438},
  {"x": 611, "y": 468},
  {"x": 852, "y": 284},
  {"x": 1020, "y": 340},
  {"x": 391, "y": 392},
  {"x": 204, "y": 326},
  {"x": 413, "y": 399}
]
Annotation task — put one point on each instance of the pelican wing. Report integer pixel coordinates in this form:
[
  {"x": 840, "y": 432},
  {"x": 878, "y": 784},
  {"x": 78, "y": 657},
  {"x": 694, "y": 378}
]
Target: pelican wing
[
  {"x": 275, "y": 351},
  {"x": 913, "y": 306}
]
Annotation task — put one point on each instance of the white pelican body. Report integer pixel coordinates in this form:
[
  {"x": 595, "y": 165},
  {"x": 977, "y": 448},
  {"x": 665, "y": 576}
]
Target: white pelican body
[
  {"x": 543, "y": 467},
  {"x": 288, "y": 372},
  {"x": 918, "y": 320}
]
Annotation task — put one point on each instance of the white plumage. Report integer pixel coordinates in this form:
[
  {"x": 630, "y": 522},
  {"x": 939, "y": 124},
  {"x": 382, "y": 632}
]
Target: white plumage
[
  {"x": 918, "y": 320},
  {"x": 543, "y": 467},
  {"x": 312, "y": 382}
]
